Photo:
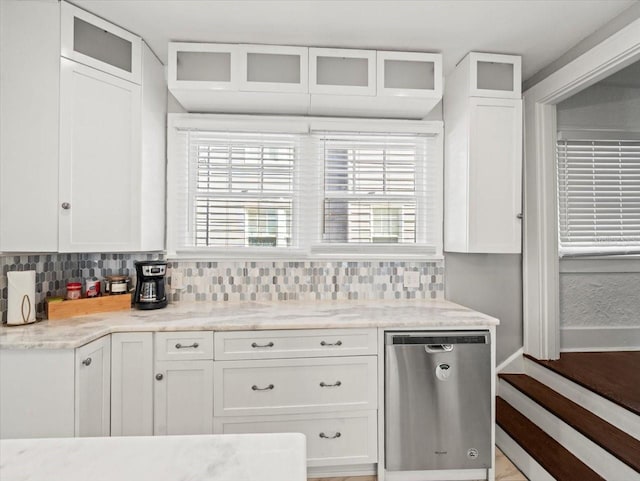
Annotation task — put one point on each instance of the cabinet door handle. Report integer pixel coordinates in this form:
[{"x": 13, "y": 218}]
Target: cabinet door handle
[
  {"x": 325, "y": 343},
  {"x": 66, "y": 205},
  {"x": 336, "y": 435},
  {"x": 520, "y": 216},
  {"x": 335, "y": 384},
  {"x": 87, "y": 361},
  {"x": 270, "y": 344},
  {"x": 268, "y": 388},
  {"x": 159, "y": 377},
  {"x": 194, "y": 345}
]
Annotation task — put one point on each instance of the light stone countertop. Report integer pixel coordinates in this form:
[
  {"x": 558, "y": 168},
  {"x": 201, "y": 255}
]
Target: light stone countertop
[
  {"x": 226, "y": 316},
  {"x": 228, "y": 457}
]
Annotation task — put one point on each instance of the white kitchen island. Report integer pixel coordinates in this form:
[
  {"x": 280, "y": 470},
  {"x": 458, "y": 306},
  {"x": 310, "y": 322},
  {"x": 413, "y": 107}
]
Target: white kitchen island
[{"x": 247, "y": 457}]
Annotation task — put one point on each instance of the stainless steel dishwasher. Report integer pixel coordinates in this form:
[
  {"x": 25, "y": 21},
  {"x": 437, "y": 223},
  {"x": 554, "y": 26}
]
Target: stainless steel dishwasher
[{"x": 437, "y": 400}]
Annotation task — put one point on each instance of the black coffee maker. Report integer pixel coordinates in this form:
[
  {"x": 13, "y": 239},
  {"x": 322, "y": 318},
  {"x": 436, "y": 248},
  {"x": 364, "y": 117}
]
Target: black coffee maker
[{"x": 150, "y": 286}]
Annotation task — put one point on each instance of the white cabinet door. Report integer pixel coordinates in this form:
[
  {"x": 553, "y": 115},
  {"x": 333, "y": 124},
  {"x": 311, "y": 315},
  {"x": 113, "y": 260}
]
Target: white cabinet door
[
  {"x": 183, "y": 401},
  {"x": 93, "y": 408},
  {"x": 99, "y": 161},
  {"x": 132, "y": 384},
  {"x": 495, "y": 167}
]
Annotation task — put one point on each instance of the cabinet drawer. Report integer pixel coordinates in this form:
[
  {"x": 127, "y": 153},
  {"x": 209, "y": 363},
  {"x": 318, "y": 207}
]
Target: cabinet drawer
[
  {"x": 332, "y": 439},
  {"x": 292, "y": 386},
  {"x": 289, "y": 344},
  {"x": 186, "y": 345}
]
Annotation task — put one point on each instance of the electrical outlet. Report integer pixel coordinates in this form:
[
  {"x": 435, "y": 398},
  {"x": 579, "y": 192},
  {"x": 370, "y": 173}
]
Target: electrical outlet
[
  {"x": 411, "y": 279},
  {"x": 177, "y": 281}
]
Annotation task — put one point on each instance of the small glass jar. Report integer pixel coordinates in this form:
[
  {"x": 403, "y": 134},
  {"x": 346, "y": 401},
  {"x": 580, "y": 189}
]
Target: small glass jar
[{"x": 74, "y": 290}]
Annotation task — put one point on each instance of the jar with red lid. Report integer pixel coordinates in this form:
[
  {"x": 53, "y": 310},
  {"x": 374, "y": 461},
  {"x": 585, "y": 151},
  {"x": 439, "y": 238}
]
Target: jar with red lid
[{"x": 74, "y": 290}]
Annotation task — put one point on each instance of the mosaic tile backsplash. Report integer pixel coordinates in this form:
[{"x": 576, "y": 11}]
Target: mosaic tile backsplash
[{"x": 236, "y": 281}]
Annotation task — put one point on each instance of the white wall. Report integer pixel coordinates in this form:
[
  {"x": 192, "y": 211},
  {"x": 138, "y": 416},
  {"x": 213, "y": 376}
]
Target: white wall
[{"x": 600, "y": 293}]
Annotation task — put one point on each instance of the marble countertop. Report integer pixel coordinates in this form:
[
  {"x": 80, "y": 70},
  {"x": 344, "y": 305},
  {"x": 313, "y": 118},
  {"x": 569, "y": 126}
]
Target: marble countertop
[
  {"x": 226, "y": 316},
  {"x": 229, "y": 457}
]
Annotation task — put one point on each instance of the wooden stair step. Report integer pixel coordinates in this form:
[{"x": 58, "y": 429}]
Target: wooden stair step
[
  {"x": 548, "y": 453},
  {"x": 612, "y": 375},
  {"x": 615, "y": 441}
]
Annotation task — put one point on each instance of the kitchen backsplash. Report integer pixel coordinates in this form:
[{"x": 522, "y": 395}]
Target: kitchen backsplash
[{"x": 236, "y": 281}]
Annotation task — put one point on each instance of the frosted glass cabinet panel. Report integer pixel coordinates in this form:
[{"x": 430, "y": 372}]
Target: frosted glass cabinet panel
[
  {"x": 272, "y": 68},
  {"x": 493, "y": 75},
  {"x": 203, "y": 66},
  {"x": 409, "y": 74},
  {"x": 342, "y": 71},
  {"x": 92, "y": 41}
]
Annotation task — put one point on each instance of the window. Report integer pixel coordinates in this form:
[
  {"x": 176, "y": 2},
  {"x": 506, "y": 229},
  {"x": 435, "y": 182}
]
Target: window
[
  {"x": 266, "y": 187},
  {"x": 598, "y": 195},
  {"x": 375, "y": 188}
]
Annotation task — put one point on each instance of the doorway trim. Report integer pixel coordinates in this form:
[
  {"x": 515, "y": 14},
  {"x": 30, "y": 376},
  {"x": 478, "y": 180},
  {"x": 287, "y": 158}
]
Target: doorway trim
[{"x": 540, "y": 266}]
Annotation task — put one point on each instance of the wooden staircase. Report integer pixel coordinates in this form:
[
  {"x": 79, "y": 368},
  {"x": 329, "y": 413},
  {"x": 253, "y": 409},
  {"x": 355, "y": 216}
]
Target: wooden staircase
[{"x": 554, "y": 427}]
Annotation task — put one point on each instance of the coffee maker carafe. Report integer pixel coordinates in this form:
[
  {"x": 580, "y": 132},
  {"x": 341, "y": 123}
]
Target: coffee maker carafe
[{"x": 150, "y": 286}]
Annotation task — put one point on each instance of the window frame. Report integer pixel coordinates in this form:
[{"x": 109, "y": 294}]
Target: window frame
[{"x": 308, "y": 195}]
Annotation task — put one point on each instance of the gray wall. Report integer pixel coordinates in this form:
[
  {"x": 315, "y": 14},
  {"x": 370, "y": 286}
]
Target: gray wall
[
  {"x": 489, "y": 283},
  {"x": 602, "y": 292}
]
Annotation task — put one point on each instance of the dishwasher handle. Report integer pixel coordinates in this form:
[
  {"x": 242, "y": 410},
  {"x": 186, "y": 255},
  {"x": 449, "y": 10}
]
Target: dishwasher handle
[{"x": 438, "y": 348}]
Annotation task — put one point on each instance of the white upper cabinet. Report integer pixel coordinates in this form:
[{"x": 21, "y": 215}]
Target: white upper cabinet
[
  {"x": 340, "y": 71},
  {"x": 99, "y": 161},
  {"x": 271, "y": 68},
  {"x": 208, "y": 66},
  {"x": 92, "y": 41},
  {"x": 483, "y": 162},
  {"x": 275, "y": 79},
  {"x": 409, "y": 74},
  {"x": 492, "y": 75}
]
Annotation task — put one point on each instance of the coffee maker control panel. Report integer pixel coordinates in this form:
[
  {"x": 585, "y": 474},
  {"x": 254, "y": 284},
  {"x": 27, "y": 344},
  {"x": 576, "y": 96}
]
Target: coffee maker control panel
[{"x": 151, "y": 270}]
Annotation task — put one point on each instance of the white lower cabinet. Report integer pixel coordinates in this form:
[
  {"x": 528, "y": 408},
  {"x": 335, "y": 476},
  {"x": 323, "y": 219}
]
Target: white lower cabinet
[
  {"x": 332, "y": 438},
  {"x": 330, "y": 395},
  {"x": 132, "y": 384},
  {"x": 93, "y": 388},
  {"x": 183, "y": 397}
]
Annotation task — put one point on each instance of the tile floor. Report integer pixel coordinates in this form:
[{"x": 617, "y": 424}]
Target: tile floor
[{"x": 505, "y": 471}]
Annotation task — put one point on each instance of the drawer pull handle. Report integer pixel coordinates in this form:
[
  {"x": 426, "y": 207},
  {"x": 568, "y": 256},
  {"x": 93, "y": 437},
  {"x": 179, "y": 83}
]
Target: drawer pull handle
[
  {"x": 336, "y": 384},
  {"x": 253, "y": 344},
  {"x": 194, "y": 345},
  {"x": 336, "y": 435},
  {"x": 268, "y": 388},
  {"x": 325, "y": 343},
  {"x": 87, "y": 361}
]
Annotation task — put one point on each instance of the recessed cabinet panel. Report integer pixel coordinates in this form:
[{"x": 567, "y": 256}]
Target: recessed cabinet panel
[
  {"x": 272, "y": 68},
  {"x": 411, "y": 74},
  {"x": 97, "y": 43},
  {"x": 206, "y": 66},
  {"x": 342, "y": 71}
]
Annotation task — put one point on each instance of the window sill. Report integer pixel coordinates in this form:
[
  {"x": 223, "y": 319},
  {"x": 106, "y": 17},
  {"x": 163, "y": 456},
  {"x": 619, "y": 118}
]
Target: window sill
[{"x": 592, "y": 264}]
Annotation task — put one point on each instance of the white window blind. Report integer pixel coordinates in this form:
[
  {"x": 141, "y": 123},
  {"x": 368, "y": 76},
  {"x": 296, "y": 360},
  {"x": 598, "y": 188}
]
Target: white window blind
[
  {"x": 376, "y": 188},
  {"x": 240, "y": 190},
  {"x": 598, "y": 196}
]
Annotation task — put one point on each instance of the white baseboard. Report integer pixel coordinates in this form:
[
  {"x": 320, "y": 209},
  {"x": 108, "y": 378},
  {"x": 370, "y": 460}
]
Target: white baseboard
[
  {"x": 513, "y": 364},
  {"x": 614, "y": 338},
  {"x": 518, "y": 456},
  {"x": 590, "y": 453},
  {"x": 612, "y": 413}
]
